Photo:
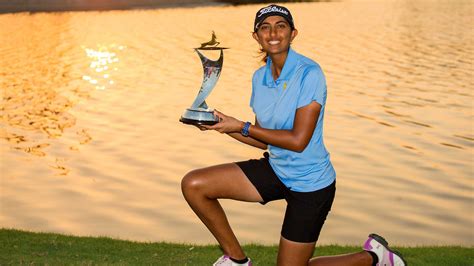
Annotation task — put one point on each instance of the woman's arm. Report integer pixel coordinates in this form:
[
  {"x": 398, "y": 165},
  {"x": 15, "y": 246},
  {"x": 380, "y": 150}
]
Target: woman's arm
[
  {"x": 248, "y": 140},
  {"x": 295, "y": 139}
]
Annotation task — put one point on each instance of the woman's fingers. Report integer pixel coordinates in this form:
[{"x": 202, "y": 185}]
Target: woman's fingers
[
  {"x": 209, "y": 127},
  {"x": 219, "y": 115},
  {"x": 200, "y": 127},
  {"x": 219, "y": 127}
]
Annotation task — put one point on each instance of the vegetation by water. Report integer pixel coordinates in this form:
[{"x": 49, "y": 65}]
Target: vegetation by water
[
  {"x": 242, "y": 2},
  {"x": 20, "y": 247}
]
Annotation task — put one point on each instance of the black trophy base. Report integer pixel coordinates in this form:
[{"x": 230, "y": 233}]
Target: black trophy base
[
  {"x": 199, "y": 116},
  {"x": 197, "y": 122}
]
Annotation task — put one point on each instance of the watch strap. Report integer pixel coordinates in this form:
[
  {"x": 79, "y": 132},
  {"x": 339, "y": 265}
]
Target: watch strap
[{"x": 245, "y": 129}]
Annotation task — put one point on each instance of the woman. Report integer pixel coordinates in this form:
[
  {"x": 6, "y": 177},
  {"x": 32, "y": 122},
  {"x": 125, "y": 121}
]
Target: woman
[{"x": 288, "y": 99}]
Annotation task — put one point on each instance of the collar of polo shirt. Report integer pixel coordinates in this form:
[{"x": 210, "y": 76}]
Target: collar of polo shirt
[{"x": 285, "y": 75}]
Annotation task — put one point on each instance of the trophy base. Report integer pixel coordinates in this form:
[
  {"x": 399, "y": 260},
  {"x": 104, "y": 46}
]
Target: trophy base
[
  {"x": 198, "y": 117},
  {"x": 196, "y": 122}
]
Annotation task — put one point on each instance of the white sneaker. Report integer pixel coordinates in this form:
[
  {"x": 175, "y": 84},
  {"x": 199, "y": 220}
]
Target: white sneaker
[
  {"x": 225, "y": 260},
  {"x": 386, "y": 256}
]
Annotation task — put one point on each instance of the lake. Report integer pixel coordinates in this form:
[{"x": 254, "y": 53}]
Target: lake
[{"x": 91, "y": 143}]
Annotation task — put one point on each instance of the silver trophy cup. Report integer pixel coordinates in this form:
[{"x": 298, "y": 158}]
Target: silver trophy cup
[{"x": 199, "y": 113}]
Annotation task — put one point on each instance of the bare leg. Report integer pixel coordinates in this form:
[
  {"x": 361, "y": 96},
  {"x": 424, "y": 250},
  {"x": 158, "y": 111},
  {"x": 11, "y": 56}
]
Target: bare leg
[
  {"x": 292, "y": 253},
  {"x": 201, "y": 189},
  {"x": 295, "y": 254},
  {"x": 359, "y": 258}
]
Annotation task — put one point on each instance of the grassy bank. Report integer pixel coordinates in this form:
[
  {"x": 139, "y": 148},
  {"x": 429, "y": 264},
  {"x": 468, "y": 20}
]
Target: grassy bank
[{"x": 19, "y": 247}]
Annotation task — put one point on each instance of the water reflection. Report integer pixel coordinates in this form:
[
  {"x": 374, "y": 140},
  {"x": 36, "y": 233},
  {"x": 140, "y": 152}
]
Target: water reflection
[
  {"x": 86, "y": 100},
  {"x": 36, "y": 87},
  {"x": 32, "y": 100},
  {"x": 103, "y": 64}
]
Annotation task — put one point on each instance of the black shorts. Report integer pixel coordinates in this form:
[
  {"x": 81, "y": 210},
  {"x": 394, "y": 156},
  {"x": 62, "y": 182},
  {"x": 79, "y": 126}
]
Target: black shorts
[{"x": 305, "y": 211}]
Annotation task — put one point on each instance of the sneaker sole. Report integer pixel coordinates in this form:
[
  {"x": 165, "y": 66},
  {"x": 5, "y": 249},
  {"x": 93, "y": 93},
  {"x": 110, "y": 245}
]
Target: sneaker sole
[
  {"x": 384, "y": 243},
  {"x": 401, "y": 257}
]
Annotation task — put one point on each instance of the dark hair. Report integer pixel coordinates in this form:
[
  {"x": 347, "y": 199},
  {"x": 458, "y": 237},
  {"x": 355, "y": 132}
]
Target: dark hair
[{"x": 265, "y": 55}]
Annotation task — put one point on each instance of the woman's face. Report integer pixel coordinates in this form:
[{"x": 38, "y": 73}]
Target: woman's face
[{"x": 275, "y": 35}]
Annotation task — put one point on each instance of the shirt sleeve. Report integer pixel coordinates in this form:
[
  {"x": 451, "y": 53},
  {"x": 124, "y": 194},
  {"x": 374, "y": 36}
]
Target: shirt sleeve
[{"x": 313, "y": 87}]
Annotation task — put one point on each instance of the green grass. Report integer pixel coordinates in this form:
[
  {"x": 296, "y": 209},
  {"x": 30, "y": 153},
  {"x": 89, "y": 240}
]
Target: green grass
[{"x": 20, "y": 247}]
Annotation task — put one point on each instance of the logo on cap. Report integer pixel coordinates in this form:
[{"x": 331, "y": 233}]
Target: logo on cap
[{"x": 272, "y": 9}]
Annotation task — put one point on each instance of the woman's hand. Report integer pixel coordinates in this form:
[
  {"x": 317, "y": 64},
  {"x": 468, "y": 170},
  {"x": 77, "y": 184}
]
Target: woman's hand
[{"x": 226, "y": 124}]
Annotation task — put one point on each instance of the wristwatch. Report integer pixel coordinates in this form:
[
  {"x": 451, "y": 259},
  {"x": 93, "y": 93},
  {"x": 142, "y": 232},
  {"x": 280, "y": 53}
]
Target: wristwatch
[{"x": 245, "y": 129}]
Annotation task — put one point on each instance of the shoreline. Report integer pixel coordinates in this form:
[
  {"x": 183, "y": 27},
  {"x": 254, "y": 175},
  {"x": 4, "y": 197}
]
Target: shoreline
[
  {"x": 33, "y": 6},
  {"x": 17, "y": 230}
]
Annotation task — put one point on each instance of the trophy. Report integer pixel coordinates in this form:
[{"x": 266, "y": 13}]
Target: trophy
[{"x": 199, "y": 113}]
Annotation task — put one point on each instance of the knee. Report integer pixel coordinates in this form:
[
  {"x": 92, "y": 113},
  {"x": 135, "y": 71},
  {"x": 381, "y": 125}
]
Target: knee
[{"x": 192, "y": 183}]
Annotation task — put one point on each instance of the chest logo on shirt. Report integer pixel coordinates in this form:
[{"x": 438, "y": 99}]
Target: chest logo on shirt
[{"x": 284, "y": 86}]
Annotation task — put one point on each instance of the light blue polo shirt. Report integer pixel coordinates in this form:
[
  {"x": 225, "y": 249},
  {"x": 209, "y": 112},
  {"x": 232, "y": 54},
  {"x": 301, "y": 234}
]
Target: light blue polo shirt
[{"x": 274, "y": 103}]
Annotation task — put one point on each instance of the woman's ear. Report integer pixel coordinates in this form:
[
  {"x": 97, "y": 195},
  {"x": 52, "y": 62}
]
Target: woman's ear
[{"x": 293, "y": 34}]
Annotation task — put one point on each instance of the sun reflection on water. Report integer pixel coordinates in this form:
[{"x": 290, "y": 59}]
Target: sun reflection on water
[{"x": 104, "y": 61}]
